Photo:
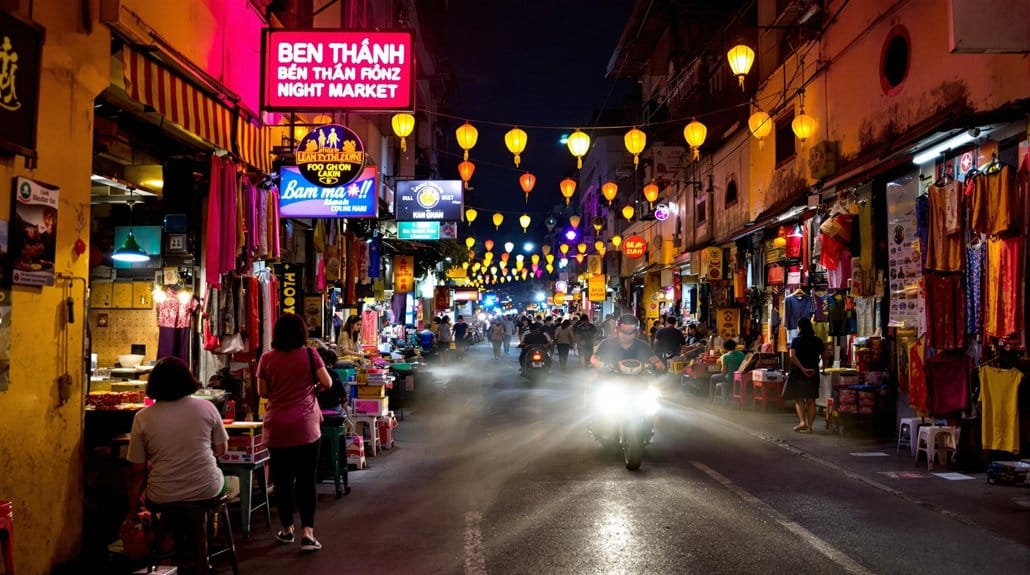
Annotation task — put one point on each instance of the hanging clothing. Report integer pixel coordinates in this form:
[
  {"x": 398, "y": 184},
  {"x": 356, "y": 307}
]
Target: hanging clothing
[
  {"x": 866, "y": 315},
  {"x": 840, "y": 322},
  {"x": 797, "y": 307},
  {"x": 212, "y": 237},
  {"x": 999, "y": 394},
  {"x": 399, "y": 307},
  {"x": 945, "y": 311},
  {"x": 922, "y": 226},
  {"x": 947, "y": 377},
  {"x": 174, "y": 319},
  {"x": 227, "y": 251},
  {"x": 976, "y": 255},
  {"x": 944, "y": 242},
  {"x": 994, "y": 202},
  {"x": 918, "y": 394},
  {"x": 369, "y": 327},
  {"x": 840, "y": 276},
  {"x": 1003, "y": 301}
]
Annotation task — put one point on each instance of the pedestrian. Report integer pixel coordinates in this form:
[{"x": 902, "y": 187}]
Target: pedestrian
[
  {"x": 496, "y": 335},
  {"x": 445, "y": 336},
  {"x": 461, "y": 332},
  {"x": 288, "y": 375},
  {"x": 586, "y": 337},
  {"x": 563, "y": 340},
  {"x": 803, "y": 380},
  {"x": 669, "y": 340},
  {"x": 509, "y": 332}
]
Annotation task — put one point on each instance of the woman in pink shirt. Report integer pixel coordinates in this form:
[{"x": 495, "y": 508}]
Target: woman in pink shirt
[{"x": 287, "y": 377}]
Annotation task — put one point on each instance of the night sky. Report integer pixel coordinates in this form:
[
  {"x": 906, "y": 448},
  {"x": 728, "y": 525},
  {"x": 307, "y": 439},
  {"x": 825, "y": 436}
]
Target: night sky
[{"x": 531, "y": 63}]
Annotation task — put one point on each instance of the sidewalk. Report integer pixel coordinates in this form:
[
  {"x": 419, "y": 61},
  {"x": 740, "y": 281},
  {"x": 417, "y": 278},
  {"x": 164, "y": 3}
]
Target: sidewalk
[{"x": 962, "y": 496}]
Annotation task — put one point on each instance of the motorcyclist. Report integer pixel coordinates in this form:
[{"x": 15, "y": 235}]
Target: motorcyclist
[
  {"x": 624, "y": 344},
  {"x": 535, "y": 336}
]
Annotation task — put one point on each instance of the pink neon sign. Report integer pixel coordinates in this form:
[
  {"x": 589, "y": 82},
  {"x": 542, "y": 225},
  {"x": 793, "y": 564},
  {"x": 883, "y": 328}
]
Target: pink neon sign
[{"x": 333, "y": 69}]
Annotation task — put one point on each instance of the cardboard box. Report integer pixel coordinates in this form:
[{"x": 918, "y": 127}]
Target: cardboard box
[
  {"x": 243, "y": 456},
  {"x": 767, "y": 375},
  {"x": 356, "y": 451},
  {"x": 371, "y": 406},
  {"x": 371, "y": 391},
  {"x": 247, "y": 443}
]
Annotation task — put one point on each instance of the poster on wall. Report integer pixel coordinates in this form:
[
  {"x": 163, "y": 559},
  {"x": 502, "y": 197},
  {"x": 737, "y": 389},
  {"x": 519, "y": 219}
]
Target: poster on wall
[
  {"x": 20, "y": 55},
  {"x": 5, "y": 311},
  {"x": 728, "y": 322},
  {"x": 903, "y": 254},
  {"x": 33, "y": 233}
]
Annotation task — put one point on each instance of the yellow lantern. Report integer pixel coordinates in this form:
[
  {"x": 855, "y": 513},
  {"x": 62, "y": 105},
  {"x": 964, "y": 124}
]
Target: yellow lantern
[
  {"x": 651, "y": 193},
  {"x": 467, "y": 135},
  {"x": 469, "y": 242},
  {"x": 803, "y": 125},
  {"x": 549, "y": 268},
  {"x": 580, "y": 258},
  {"x": 465, "y": 170},
  {"x": 508, "y": 246},
  {"x": 695, "y": 133},
  {"x": 465, "y": 265},
  {"x": 524, "y": 221},
  {"x": 564, "y": 249},
  {"x": 598, "y": 224},
  {"x": 515, "y": 140},
  {"x": 549, "y": 258},
  {"x": 599, "y": 246},
  {"x": 608, "y": 190},
  {"x": 741, "y": 57},
  {"x": 579, "y": 145},
  {"x": 635, "y": 140},
  {"x": 476, "y": 266},
  {"x": 761, "y": 126},
  {"x": 574, "y": 221},
  {"x": 581, "y": 248},
  {"x": 488, "y": 257},
  {"x": 525, "y": 273},
  {"x": 616, "y": 241},
  {"x": 546, "y": 249},
  {"x": 470, "y": 214},
  {"x": 627, "y": 212},
  {"x": 519, "y": 265},
  {"x": 535, "y": 258},
  {"x": 498, "y": 219},
  {"x": 526, "y": 182},
  {"x": 403, "y": 124},
  {"x": 567, "y": 187},
  {"x": 489, "y": 245}
]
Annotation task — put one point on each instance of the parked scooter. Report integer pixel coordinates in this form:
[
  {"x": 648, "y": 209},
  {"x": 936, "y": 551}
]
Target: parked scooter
[{"x": 624, "y": 403}]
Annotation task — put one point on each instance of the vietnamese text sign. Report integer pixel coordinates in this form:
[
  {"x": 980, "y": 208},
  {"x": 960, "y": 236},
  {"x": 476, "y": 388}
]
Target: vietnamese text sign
[
  {"x": 330, "y": 155},
  {"x": 634, "y": 246},
  {"x": 403, "y": 274},
  {"x": 33, "y": 233},
  {"x": 290, "y": 281},
  {"x": 337, "y": 69},
  {"x": 21, "y": 45},
  {"x": 298, "y": 198},
  {"x": 428, "y": 200},
  {"x": 597, "y": 288},
  {"x": 418, "y": 230},
  {"x": 442, "y": 298},
  {"x": 728, "y": 322}
]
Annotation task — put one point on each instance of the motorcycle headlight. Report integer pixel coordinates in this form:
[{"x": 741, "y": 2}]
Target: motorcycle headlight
[
  {"x": 608, "y": 399},
  {"x": 651, "y": 400}
]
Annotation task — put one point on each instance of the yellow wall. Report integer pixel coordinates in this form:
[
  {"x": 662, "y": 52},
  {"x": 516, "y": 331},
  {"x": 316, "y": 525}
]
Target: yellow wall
[{"x": 40, "y": 441}]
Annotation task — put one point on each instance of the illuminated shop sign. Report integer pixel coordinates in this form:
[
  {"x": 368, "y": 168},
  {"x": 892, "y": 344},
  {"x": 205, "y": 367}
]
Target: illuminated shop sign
[
  {"x": 428, "y": 200},
  {"x": 338, "y": 70},
  {"x": 418, "y": 230},
  {"x": 634, "y": 246},
  {"x": 331, "y": 155},
  {"x": 298, "y": 198}
]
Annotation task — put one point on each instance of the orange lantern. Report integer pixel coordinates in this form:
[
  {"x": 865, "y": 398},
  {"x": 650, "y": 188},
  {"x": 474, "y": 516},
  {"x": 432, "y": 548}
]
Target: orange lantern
[
  {"x": 580, "y": 258},
  {"x": 465, "y": 170},
  {"x": 599, "y": 246},
  {"x": 467, "y": 135},
  {"x": 489, "y": 245},
  {"x": 608, "y": 190},
  {"x": 651, "y": 193},
  {"x": 574, "y": 221},
  {"x": 526, "y": 182},
  {"x": 567, "y": 187},
  {"x": 581, "y": 248}
]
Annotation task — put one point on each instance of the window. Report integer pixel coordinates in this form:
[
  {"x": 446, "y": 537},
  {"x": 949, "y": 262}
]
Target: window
[
  {"x": 731, "y": 193},
  {"x": 785, "y": 139},
  {"x": 701, "y": 210}
]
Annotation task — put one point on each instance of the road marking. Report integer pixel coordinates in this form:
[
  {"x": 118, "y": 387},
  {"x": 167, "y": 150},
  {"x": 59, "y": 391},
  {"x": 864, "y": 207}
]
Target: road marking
[
  {"x": 475, "y": 563},
  {"x": 834, "y": 554}
]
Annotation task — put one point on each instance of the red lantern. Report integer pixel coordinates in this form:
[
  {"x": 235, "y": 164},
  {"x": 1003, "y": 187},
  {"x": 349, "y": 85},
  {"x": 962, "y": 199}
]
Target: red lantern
[
  {"x": 527, "y": 181},
  {"x": 489, "y": 245},
  {"x": 465, "y": 170}
]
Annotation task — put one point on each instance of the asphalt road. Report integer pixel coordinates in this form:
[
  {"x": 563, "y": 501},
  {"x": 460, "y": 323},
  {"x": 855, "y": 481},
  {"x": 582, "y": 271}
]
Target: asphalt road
[{"x": 491, "y": 475}]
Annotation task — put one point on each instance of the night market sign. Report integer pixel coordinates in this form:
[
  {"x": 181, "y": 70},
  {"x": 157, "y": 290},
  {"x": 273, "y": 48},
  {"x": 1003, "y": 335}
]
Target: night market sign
[
  {"x": 428, "y": 200},
  {"x": 338, "y": 70},
  {"x": 299, "y": 198},
  {"x": 21, "y": 45}
]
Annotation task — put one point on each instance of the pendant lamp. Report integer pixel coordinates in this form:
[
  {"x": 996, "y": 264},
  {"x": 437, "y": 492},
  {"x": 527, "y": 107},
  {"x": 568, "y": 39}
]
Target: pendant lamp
[{"x": 130, "y": 251}]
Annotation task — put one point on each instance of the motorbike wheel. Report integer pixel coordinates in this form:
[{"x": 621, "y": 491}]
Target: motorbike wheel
[{"x": 632, "y": 447}]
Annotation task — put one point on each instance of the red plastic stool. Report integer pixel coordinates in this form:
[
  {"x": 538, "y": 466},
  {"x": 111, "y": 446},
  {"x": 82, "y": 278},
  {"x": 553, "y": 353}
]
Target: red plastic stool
[
  {"x": 7, "y": 535},
  {"x": 767, "y": 392}
]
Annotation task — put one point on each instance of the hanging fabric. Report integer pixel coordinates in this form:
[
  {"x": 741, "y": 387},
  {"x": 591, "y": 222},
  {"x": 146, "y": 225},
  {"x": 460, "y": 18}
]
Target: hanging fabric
[{"x": 999, "y": 394}]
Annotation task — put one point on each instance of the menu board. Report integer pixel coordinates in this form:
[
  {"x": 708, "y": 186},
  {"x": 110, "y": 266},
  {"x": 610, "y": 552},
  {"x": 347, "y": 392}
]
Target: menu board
[{"x": 903, "y": 252}]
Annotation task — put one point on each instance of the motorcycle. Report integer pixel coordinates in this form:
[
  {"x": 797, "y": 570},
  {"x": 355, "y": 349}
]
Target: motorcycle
[
  {"x": 537, "y": 362},
  {"x": 624, "y": 404}
]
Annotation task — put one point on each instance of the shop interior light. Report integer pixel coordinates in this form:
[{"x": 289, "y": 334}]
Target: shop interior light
[
  {"x": 130, "y": 251},
  {"x": 933, "y": 152}
]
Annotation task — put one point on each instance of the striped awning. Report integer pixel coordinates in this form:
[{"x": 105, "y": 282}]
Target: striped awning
[
  {"x": 254, "y": 144},
  {"x": 152, "y": 83}
]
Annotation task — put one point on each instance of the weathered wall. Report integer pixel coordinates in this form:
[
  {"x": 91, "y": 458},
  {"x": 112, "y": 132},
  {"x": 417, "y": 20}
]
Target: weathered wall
[
  {"x": 40, "y": 441},
  {"x": 730, "y": 164}
]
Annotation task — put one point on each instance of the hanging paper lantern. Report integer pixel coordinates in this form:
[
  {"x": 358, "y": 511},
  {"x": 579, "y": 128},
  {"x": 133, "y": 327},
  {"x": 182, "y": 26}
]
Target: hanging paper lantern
[
  {"x": 403, "y": 124},
  {"x": 519, "y": 264},
  {"x": 470, "y": 214},
  {"x": 581, "y": 248},
  {"x": 567, "y": 187},
  {"x": 504, "y": 258},
  {"x": 526, "y": 182},
  {"x": 508, "y": 246},
  {"x": 579, "y": 258},
  {"x": 651, "y": 193},
  {"x": 598, "y": 223},
  {"x": 550, "y": 222},
  {"x": 564, "y": 249},
  {"x": 608, "y": 190},
  {"x": 524, "y": 221},
  {"x": 549, "y": 258},
  {"x": 579, "y": 145},
  {"x": 574, "y": 221},
  {"x": 546, "y": 249},
  {"x": 515, "y": 140},
  {"x": 498, "y": 219},
  {"x": 467, "y": 136},
  {"x": 563, "y": 262},
  {"x": 761, "y": 126},
  {"x": 741, "y": 57},
  {"x": 476, "y": 266},
  {"x": 465, "y": 265},
  {"x": 695, "y": 133},
  {"x": 549, "y": 268},
  {"x": 635, "y": 140},
  {"x": 493, "y": 270},
  {"x": 803, "y": 125},
  {"x": 465, "y": 170},
  {"x": 469, "y": 242},
  {"x": 489, "y": 245},
  {"x": 627, "y": 212},
  {"x": 599, "y": 246},
  {"x": 535, "y": 258},
  {"x": 616, "y": 241}
]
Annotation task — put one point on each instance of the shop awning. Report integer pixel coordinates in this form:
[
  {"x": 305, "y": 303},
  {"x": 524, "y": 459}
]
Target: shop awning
[
  {"x": 151, "y": 83},
  {"x": 254, "y": 144}
]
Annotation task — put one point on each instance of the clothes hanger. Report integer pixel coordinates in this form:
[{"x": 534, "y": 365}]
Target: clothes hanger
[
  {"x": 798, "y": 292},
  {"x": 994, "y": 166}
]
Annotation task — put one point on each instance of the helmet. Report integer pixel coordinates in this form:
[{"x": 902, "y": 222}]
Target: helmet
[{"x": 628, "y": 319}]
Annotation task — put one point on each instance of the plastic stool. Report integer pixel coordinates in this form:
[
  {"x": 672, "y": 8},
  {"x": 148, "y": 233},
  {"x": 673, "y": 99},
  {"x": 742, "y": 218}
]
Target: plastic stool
[
  {"x": 740, "y": 394},
  {"x": 936, "y": 442},
  {"x": 197, "y": 514},
  {"x": 908, "y": 431},
  {"x": 372, "y": 423},
  {"x": 334, "y": 433},
  {"x": 7, "y": 535},
  {"x": 766, "y": 392}
]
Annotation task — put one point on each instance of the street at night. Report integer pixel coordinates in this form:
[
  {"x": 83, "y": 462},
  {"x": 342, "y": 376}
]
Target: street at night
[{"x": 492, "y": 475}]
